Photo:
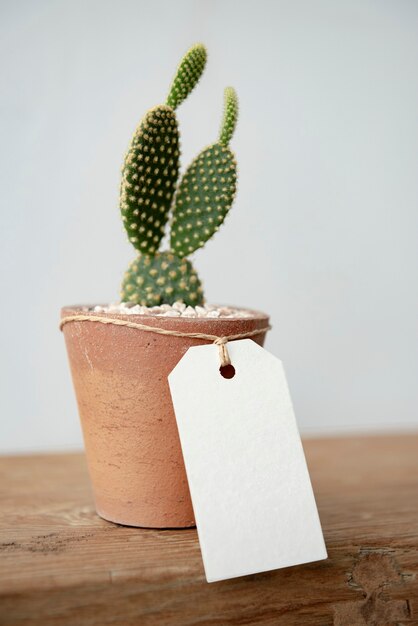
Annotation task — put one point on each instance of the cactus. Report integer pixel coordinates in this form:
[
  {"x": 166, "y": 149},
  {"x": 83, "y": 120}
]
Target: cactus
[
  {"x": 188, "y": 73},
  {"x": 162, "y": 278},
  {"x": 149, "y": 178},
  {"x": 149, "y": 191},
  {"x": 207, "y": 189}
]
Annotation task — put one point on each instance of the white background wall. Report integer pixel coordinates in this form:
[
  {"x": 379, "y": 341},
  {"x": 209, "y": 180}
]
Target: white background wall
[{"x": 323, "y": 234}]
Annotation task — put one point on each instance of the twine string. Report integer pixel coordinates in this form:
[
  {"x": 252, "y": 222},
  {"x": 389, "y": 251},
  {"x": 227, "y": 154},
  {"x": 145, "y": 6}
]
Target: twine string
[
  {"x": 220, "y": 341},
  {"x": 224, "y": 357}
]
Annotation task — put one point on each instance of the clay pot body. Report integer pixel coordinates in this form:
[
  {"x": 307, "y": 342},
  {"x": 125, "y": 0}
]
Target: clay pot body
[{"x": 130, "y": 433}]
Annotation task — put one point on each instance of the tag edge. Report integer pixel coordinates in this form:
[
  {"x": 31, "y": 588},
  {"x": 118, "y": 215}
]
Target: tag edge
[{"x": 273, "y": 569}]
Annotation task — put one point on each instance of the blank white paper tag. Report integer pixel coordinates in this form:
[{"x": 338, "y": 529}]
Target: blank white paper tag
[{"x": 252, "y": 496}]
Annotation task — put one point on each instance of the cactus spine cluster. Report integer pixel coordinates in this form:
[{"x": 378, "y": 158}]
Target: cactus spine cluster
[{"x": 150, "y": 192}]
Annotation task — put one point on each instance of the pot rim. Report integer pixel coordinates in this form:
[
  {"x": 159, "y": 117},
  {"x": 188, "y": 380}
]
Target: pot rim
[{"x": 86, "y": 309}]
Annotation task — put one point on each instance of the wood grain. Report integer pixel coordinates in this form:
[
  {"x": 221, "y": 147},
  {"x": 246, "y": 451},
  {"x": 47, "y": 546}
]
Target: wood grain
[{"x": 60, "y": 564}]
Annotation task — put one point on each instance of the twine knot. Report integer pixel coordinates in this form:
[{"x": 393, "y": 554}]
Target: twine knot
[{"x": 224, "y": 357}]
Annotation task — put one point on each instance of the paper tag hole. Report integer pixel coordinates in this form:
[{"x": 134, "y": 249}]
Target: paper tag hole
[{"x": 227, "y": 371}]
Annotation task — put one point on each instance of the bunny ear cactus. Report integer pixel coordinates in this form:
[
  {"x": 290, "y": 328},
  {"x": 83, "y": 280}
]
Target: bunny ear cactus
[
  {"x": 151, "y": 167},
  {"x": 149, "y": 191},
  {"x": 149, "y": 178},
  {"x": 207, "y": 189},
  {"x": 188, "y": 73},
  {"x": 161, "y": 278}
]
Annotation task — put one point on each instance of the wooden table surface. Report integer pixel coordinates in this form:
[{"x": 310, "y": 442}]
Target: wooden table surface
[{"x": 60, "y": 564}]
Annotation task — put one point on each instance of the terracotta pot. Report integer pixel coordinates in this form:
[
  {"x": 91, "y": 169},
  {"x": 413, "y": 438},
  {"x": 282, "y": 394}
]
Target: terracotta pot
[{"x": 130, "y": 432}]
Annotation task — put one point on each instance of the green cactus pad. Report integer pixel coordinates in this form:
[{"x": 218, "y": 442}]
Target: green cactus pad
[
  {"x": 149, "y": 178},
  {"x": 230, "y": 116},
  {"x": 161, "y": 279},
  {"x": 188, "y": 73},
  {"x": 204, "y": 197}
]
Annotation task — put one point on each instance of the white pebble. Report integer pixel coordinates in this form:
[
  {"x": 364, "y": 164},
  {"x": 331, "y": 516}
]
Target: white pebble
[
  {"x": 201, "y": 311},
  {"x": 189, "y": 312},
  {"x": 179, "y": 306},
  {"x": 213, "y": 314},
  {"x": 171, "y": 313}
]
